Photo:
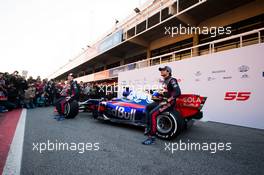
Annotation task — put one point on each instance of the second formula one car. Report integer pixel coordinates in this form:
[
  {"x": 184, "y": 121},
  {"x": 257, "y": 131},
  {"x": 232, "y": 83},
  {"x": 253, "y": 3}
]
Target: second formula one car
[{"x": 170, "y": 123}]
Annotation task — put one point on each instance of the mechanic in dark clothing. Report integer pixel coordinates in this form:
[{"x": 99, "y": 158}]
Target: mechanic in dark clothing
[
  {"x": 170, "y": 92},
  {"x": 49, "y": 89},
  {"x": 70, "y": 92}
]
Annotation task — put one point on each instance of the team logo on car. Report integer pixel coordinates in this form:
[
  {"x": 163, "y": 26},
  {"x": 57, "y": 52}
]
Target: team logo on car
[{"x": 120, "y": 112}]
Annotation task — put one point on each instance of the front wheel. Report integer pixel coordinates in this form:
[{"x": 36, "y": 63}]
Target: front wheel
[
  {"x": 71, "y": 109},
  {"x": 169, "y": 125}
]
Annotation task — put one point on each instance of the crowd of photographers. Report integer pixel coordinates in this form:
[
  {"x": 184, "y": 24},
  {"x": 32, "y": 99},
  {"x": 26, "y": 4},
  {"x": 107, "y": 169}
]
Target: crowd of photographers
[{"x": 18, "y": 92}]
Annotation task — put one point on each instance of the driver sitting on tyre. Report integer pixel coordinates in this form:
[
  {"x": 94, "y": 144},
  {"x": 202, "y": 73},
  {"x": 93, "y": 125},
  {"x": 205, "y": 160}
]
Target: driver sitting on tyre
[
  {"x": 70, "y": 93},
  {"x": 170, "y": 92}
]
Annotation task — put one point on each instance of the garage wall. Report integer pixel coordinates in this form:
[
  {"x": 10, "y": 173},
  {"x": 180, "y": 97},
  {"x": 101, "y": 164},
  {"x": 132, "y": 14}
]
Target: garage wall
[{"x": 232, "y": 80}]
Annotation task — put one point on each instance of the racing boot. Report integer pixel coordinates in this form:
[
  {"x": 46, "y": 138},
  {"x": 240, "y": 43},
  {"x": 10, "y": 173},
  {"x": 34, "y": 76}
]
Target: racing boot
[
  {"x": 149, "y": 141},
  {"x": 60, "y": 118}
]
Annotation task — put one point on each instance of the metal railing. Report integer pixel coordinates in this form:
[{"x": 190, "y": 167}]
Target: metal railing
[
  {"x": 189, "y": 52},
  {"x": 159, "y": 10}
]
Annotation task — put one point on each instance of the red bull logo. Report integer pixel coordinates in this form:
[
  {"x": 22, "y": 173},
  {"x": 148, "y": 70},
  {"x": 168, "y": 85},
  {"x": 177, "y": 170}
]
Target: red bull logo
[{"x": 122, "y": 114}]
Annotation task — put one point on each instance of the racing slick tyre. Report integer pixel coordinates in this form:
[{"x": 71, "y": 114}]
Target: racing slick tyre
[
  {"x": 71, "y": 109},
  {"x": 169, "y": 125}
]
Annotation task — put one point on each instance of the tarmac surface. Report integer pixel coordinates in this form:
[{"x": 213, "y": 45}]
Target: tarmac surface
[{"x": 112, "y": 148}]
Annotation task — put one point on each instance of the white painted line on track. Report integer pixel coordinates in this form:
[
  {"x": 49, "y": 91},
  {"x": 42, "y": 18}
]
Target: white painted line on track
[{"x": 13, "y": 161}]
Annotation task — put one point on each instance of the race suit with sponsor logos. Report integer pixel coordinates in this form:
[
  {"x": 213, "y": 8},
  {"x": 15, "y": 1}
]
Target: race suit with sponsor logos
[
  {"x": 171, "y": 91},
  {"x": 69, "y": 92}
]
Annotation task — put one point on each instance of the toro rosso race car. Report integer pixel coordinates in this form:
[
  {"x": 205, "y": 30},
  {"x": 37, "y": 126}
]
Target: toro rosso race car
[{"x": 131, "y": 110}]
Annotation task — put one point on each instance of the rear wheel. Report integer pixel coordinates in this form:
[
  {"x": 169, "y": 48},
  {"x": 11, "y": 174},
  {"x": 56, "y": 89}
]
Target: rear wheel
[
  {"x": 71, "y": 109},
  {"x": 169, "y": 125}
]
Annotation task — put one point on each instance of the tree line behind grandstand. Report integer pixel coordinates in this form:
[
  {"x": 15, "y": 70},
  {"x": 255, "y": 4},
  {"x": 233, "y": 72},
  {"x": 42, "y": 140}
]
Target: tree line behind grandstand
[{"x": 18, "y": 92}]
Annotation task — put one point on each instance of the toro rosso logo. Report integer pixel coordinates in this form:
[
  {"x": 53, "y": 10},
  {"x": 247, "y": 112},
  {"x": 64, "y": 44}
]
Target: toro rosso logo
[{"x": 120, "y": 112}]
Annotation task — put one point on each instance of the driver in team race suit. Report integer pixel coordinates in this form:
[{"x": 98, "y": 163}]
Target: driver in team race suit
[
  {"x": 69, "y": 92},
  {"x": 171, "y": 91}
]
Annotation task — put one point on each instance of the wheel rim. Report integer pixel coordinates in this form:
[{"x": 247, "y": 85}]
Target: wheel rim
[
  {"x": 164, "y": 124},
  {"x": 67, "y": 109}
]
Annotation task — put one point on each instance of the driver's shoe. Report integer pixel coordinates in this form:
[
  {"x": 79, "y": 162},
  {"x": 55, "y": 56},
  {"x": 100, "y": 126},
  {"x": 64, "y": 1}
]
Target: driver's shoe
[
  {"x": 149, "y": 141},
  {"x": 60, "y": 118}
]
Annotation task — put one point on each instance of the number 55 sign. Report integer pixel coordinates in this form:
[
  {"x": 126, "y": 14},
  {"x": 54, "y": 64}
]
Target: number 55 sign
[{"x": 238, "y": 96}]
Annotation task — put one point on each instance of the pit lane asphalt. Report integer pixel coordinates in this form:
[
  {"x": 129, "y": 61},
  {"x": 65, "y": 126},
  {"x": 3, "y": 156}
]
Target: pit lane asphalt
[{"x": 121, "y": 151}]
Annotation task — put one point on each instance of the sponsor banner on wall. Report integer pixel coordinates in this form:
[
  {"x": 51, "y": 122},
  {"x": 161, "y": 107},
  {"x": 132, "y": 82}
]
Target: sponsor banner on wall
[
  {"x": 232, "y": 80},
  {"x": 86, "y": 78},
  {"x": 101, "y": 75}
]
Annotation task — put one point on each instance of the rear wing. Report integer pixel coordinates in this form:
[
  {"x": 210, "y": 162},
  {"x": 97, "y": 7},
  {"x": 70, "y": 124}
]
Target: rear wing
[
  {"x": 191, "y": 101},
  {"x": 190, "y": 105}
]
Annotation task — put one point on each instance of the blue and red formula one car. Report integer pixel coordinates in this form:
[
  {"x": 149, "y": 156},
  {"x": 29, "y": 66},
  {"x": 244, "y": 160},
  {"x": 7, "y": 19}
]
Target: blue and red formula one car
[{"x": 131, "y": 110}]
